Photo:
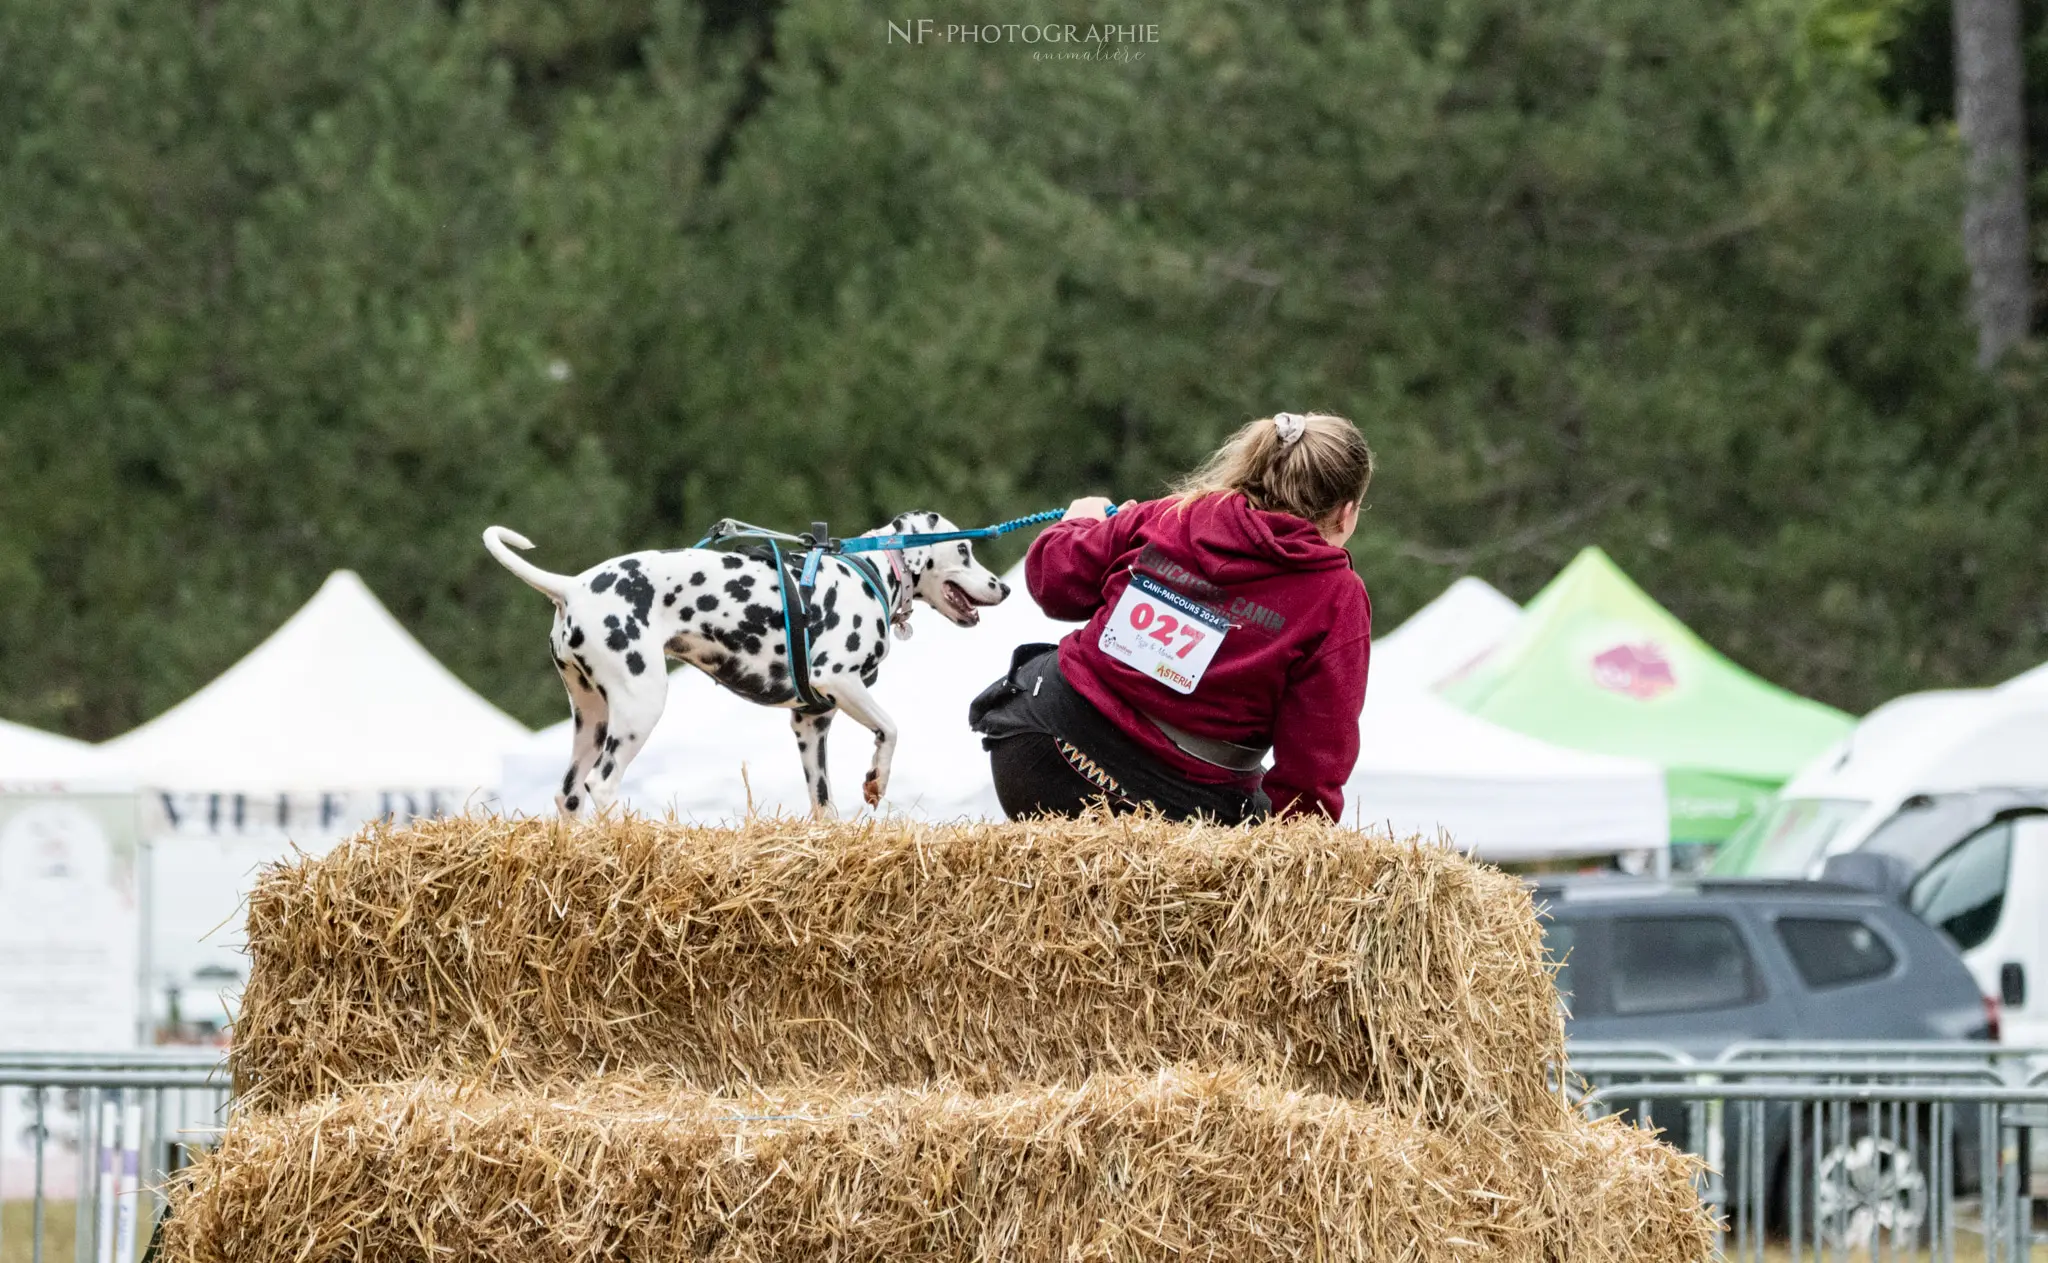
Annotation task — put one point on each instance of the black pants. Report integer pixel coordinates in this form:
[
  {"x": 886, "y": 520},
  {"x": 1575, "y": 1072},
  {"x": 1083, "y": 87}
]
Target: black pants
[
  {"x": 1033, "y": 778},
  {"x": 1053, "y": 753}
]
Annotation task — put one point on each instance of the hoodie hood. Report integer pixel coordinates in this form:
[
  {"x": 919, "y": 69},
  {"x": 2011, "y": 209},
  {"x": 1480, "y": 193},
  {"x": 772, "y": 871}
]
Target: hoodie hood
[{"x": 1241, "y": 544}]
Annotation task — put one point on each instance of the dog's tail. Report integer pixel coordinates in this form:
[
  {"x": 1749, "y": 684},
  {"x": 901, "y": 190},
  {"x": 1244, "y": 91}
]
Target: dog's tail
[{"x": 553, "y": 586}]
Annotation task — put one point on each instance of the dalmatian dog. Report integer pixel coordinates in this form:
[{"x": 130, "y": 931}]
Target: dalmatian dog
[{"x": 722, "y": 612}]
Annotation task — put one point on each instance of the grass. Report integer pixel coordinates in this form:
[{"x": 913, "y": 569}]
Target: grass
[
  {"x": 17, "y": 1228},
  {"x": 1969, "y": 1249}
]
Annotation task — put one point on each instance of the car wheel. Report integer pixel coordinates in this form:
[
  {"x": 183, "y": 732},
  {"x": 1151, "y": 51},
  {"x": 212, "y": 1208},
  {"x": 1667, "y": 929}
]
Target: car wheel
[{"x": 1867, "y": 1187}]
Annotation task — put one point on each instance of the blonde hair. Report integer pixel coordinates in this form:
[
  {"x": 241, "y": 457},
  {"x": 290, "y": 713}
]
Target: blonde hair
[{"x": 1323, "y": 469}]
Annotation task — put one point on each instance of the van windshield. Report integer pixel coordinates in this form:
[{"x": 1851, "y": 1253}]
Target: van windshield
[
  {"x": 1926, "y": 825},
  {"x": 1790, "y": 838}
]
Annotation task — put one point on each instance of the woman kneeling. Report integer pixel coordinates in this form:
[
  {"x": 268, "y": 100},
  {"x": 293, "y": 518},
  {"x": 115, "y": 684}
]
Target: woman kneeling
[{"x": 1221, "y": 622}]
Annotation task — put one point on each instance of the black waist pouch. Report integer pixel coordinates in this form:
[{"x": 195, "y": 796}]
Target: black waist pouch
[
  {"x": 1034, "y": 698},
  {"x": 1011, "y": 706}
]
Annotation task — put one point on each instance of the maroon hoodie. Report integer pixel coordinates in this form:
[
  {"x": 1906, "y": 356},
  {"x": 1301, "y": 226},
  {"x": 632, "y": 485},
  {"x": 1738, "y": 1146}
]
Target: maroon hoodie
[{"x": 1290, "y": 670}]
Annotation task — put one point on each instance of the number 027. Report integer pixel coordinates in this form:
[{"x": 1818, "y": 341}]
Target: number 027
[{"x": 1164, "y": 626}]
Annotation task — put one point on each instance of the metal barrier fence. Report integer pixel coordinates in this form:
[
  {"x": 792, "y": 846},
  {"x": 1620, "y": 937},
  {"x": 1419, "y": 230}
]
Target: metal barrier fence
[
  {"x": 1827, "y": 1151},
  {"x": 1844, "y": 1150},
  {"x": 101, "y": 1132}
]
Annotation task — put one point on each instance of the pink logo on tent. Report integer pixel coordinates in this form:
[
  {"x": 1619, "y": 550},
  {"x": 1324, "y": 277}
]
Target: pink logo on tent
[{"x": 1641, "y": 671}]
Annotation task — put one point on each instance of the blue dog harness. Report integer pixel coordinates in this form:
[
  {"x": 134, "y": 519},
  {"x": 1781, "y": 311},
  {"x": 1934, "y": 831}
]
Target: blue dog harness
[{"x": 797, "y": 582}]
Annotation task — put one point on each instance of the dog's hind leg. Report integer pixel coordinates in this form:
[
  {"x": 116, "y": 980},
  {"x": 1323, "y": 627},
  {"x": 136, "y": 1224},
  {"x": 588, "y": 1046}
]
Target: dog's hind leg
[
  {"x": 635, "y": 703},
  {"x": 851, "y": 696},
  {"x": 589, "y": 714},
  {"x": 810, "y": 743}
]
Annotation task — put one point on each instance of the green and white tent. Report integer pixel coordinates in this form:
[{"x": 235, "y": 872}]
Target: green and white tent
[{"x": 1595, "y": 664}]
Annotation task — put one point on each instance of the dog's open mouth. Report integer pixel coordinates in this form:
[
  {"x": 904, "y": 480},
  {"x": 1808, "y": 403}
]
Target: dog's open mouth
[{"x": 960, "y": 605}]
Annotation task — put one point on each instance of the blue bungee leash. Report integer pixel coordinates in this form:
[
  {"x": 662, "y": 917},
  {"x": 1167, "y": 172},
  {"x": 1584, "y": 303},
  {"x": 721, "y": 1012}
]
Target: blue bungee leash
[
  {"x": 818, "y": 541},
  {"x": 885, "y": 543}
]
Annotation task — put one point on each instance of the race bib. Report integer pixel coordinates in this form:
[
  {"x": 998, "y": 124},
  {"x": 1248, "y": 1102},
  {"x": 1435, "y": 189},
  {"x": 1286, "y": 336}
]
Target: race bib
[{"x": 1162, "y": 633}]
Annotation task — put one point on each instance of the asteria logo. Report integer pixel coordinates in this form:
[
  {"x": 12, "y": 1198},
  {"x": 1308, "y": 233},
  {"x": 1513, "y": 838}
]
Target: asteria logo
[{"x": 1640, "y": 671}]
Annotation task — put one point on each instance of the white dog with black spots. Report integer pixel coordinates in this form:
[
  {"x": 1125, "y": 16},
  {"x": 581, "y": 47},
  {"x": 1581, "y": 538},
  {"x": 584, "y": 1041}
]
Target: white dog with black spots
[{"x": 722, "y": 612}]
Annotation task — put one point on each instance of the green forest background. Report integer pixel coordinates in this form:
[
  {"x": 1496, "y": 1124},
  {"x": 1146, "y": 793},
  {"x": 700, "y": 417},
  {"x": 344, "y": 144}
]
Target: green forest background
[{"x": 288, "y": 286}]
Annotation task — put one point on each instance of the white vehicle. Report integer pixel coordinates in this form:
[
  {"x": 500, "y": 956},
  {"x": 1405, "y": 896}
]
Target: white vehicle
[
  {"x": 1978, "y": 890},
  {"x": 1909, "y": 768},
  {"x": 1946, "y": 793}
]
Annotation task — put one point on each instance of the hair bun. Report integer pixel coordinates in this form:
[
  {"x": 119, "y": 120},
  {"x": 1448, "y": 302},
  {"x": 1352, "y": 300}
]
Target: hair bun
[{"x": 1290, "y": 427}]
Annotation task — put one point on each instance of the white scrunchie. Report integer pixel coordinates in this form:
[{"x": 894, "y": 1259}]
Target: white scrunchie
[{"x": 1290, "y": 427}]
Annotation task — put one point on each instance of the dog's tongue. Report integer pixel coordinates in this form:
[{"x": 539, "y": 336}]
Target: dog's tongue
[{"x": 962, "y": 604}]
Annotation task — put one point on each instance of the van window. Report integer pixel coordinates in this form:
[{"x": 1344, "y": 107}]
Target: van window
[
  {"x": 1833, "y": 952},
  {"x": 1679, "y": 964},
  {"x": 1963, "y": 892}
]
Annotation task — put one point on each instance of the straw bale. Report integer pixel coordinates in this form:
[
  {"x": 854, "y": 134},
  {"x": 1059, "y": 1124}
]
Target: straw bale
[
  {"x": 1177, "y": 1165},
  {"x": 1609, "y": 1192},
  {"x": 896, "y": 953}
]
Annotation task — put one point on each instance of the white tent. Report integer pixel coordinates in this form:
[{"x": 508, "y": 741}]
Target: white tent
[
  {"x": 1425, "y": 764},
  {"x": 338, "y": 718},
  {"x": 32, "y": 757},
  {"x": 341, "y": 699},
  {"x": 2031, "y": 681},
  {"x": 1458, "y": 627}
]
